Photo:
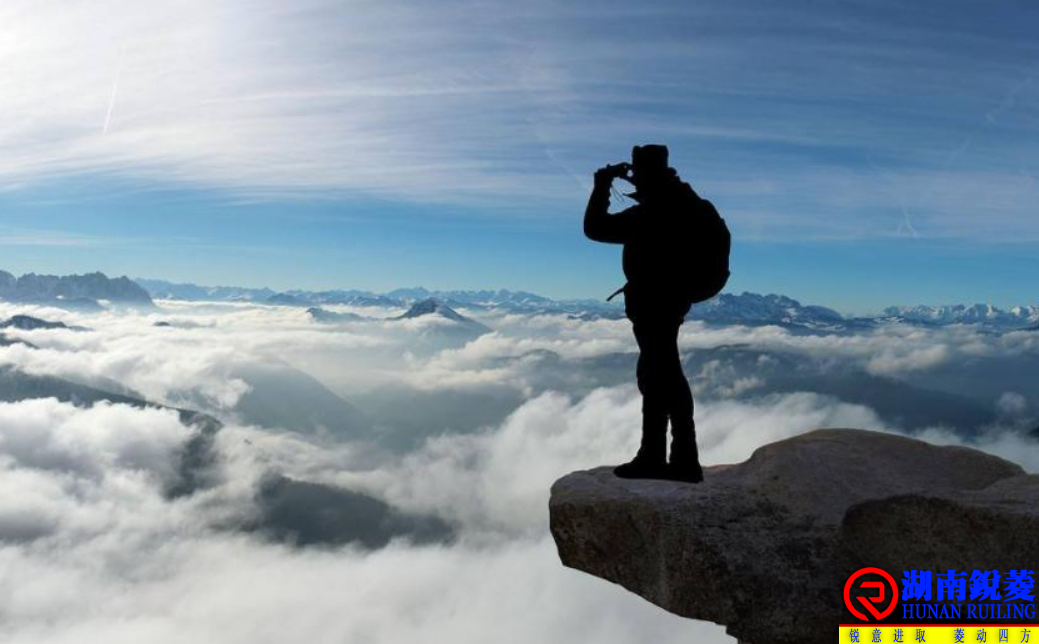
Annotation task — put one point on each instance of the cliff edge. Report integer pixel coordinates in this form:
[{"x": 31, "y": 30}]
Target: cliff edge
[{"x": 764, "y": 547}]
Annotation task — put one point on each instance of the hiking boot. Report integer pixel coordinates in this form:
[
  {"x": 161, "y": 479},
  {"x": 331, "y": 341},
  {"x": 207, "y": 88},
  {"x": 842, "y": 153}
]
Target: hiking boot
[
  {"x": 642, "y": 467},
  {"x": 684, "y": 472},
  {"x": 684, "y": 464},
  {"x": 651, "y": 460}
]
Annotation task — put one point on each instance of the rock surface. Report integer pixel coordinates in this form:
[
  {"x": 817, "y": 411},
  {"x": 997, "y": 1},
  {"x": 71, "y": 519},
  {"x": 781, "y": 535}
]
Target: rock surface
[{"x": 764, "y": 547}]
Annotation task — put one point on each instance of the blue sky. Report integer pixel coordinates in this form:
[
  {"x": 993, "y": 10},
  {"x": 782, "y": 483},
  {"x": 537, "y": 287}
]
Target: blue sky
[{"x": 863, "y": 153}]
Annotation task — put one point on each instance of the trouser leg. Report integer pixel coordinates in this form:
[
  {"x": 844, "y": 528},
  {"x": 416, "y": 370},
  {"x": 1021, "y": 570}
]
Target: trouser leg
[
  {"x": 654, "y": 393},
  {"x": 666, "y": 395},
  {"x": 680, "y": 405},
  {"x": 678, "y": 399}
]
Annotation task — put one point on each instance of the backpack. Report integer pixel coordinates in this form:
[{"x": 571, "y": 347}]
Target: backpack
[
  {"x": 703, "y": 261},
  {"x": 710, "y": 245}
]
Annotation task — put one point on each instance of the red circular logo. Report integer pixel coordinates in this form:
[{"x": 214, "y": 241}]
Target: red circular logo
[{"x": 869, "y": 601}]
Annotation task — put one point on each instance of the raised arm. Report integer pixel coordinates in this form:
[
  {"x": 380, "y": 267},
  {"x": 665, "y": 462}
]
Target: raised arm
[{"x": 599, "y": 224}]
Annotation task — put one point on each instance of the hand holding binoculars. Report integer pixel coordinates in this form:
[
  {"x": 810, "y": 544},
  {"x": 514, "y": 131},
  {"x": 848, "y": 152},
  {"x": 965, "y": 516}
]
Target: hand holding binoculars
[{"x": 621, "y": 170}]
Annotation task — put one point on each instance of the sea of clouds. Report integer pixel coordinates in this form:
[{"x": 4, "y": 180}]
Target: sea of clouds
[{"x": 94, "y": 548}]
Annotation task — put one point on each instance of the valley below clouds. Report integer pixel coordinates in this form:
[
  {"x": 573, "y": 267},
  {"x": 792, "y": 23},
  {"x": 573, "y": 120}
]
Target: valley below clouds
[{"x": 243, "y": 472}]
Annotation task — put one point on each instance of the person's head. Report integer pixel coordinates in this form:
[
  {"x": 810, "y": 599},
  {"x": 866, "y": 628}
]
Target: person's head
[{"x": 650, "y": 166}]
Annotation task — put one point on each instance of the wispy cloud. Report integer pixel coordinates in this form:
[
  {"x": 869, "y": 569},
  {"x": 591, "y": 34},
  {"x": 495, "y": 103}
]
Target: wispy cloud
[
  {"x": 770, "y": 111},
  {"x": 31, "y": 237}
]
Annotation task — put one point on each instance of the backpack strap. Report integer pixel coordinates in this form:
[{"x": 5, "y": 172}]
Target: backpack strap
[{"x": 617, "y": 292}]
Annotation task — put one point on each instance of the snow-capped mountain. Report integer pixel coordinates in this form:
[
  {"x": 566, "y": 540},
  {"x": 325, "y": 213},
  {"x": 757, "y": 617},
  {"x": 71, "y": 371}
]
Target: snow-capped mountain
[
  {"x": 751, "y": 308},
  {"x": 441, "y": 326},
  {"x": 478, "y": 299},
  {"x": 432, "y": 308},
  {"x": 727, "y": 308},
  {"x": 986, "y": 314}
]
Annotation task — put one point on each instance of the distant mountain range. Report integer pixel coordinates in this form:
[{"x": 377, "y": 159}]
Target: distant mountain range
[
  {"x": 160, "y": 289},
  {"x": 985, "y": 314},
  {"x": 93, "y": 290},
  {"x": 728, "y": 308},
  {"x": 72, "y": 291},
  {"x": 402, "y": 297}
]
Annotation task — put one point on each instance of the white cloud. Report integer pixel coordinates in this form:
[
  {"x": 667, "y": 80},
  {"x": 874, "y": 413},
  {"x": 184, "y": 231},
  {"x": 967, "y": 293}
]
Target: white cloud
[
  {"x": 1011, "y": 403},
  {"x": 195, "y": 361},
  {"x": 895, "y": 362},
  {"x": 92, "y": 550},
  {"x": 88, "y": 491},
  {"x": 889, "y": 349},
  {"x": 165, "y": 574},
  {"x": 76, "y": 474},
  {"x": 233, "y": 590},
  {"x": 1008, "y": 444},
  {"x": 496, "y": 482},
  {"x": 200, "y": 359}
]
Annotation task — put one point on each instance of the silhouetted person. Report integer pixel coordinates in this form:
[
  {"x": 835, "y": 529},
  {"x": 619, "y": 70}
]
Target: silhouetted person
[{"x": 660, "y": 235}]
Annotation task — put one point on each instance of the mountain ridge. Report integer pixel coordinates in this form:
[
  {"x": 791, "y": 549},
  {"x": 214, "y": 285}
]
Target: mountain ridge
[
  {"x": 72, "y": 291},
  {"x": 727, "y": 308}
]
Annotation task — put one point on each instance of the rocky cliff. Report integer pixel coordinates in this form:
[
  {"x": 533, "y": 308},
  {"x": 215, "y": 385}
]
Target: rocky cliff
[{"x": 764, "y": 547}]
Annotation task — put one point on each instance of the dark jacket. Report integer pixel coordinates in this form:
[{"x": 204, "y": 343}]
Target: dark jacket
[{"x": 655, "y": 233}]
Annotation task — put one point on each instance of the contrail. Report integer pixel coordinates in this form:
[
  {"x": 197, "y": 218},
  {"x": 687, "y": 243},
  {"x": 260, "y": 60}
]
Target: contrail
[
  {"x": 906, "y": 225},
  {"x": 557, "y": 162},
  {"x": 115, "y": 88},
  {"x": 583, "y": 183},
  {"x": 1007, "y": 104}
]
